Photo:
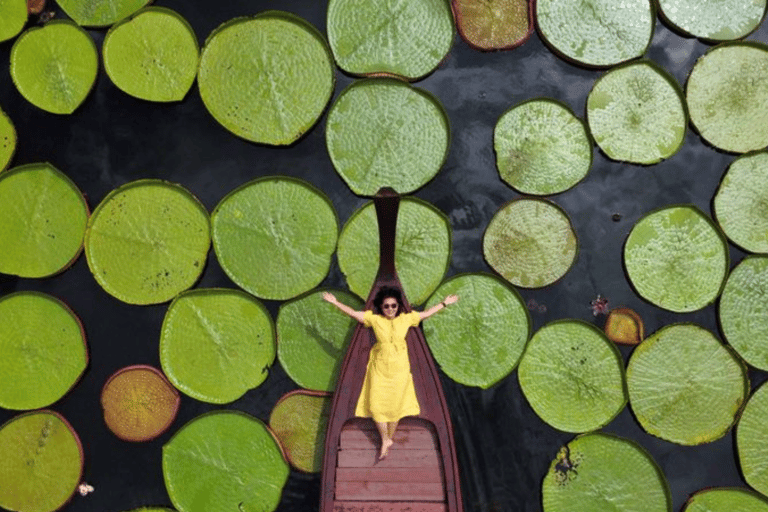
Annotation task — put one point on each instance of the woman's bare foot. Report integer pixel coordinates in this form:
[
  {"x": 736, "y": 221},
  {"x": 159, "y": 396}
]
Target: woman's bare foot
[{"x": 385, "y": 444}]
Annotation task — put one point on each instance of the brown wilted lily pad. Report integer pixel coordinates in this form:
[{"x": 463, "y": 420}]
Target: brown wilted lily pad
[
  {"x": 624, "y": 326},
  {"x": 494, "y": 24},
  {"x": 35, "y": 6},
  {"x": 299, "y": 420}
]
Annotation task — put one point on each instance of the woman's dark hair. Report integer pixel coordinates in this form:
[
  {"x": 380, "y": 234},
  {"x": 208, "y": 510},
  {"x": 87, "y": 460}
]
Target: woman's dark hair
[{"x": 388, "y": 292}]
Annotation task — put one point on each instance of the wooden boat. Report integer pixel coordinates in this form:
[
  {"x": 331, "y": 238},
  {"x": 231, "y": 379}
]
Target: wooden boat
[{"x": 420, "y": 474}]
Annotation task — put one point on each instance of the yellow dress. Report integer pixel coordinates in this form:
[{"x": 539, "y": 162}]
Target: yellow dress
[{"x": 388, "y": 392}]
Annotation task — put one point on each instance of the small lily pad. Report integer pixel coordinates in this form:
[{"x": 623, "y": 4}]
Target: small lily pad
[
  {"x": 530, "y": 242},
  {"x": 147, "y": 241},
  {"x": 726, "y": 500},
  {"x": 100, "y": 13},
  {"x": 54, "y": 67},
  {"x": 152, "y": 56},
  {"x": 624, "y": 326},
  {"x": 13, "y": 17},
  {"x": 312, "y": 337},
  {"x": 751, "y": 433},
  {"x": 42, "y": 462},
  {"x": 685, "y": 386},
  {"x": 382, "y": 132},
  {"x": 723, "y": 20},
  {"x": 7, "y": 140},
  {"x": 216, "y": 344},
  {"x": 139, "y": 403},
  {"x": 299, "y": 421},
  {"x": 43, "y": 350},
  {"x": 494, "y": 25},
  {"x": 479, "y": 340},
  {"x": 224, "y": 460}
]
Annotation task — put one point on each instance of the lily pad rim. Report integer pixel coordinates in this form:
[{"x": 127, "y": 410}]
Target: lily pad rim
[
  {"x": 736, "y": 443},
  {"x": 743, "y": 490},
  {"x": 283, "y": 450},
  {"x": 531, "y": 28},
  {"x": 15, "y": 141},
  {"x": 683, "y": 33}
]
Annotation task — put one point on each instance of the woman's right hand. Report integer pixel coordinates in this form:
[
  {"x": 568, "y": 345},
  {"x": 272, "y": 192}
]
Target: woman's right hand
[{"x": 329, "y": 297}]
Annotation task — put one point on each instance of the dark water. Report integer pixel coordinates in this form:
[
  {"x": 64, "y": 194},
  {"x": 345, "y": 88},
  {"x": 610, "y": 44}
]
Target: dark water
[{"x": 504, "y": 448}]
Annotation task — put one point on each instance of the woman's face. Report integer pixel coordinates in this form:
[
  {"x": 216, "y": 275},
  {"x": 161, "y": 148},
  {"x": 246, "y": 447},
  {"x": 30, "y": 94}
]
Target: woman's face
[{"x": 389, "y": 307}]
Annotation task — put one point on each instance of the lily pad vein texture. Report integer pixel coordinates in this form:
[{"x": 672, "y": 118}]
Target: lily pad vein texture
[
  {"x": 7, "y": 138},
  {"x": 541, "y": 147},
  {"x": 751, "y": 433},
  {"x": 312, "y": 338},
  {"x": 727, "y": 95},
  {"x": 100, "y": 13},
  {"x": 266, "y": 78},
  {"x": 493, "y": 25},
  {"x": 597, "y": 33},
  {"x": 598, "y": 472},
  {"x": 299, "y": 421},
  {"x": 676, "y": 258},
  {"x": 726, "y": 499},
  {"x": 714, "y": 21},
  {"x": 403, "y": 38},
  {"x": 743, "y": 310},
  {"x": 13, "y": 17},
  {"x": 422, "y": 249},
  {"x": 740, "y": 207},
  {"x": 685, "y": 386},
  {"x": 43, "y": 216},
  {"x": 274, "y": 236},
  {"x": 216, "y": 344},
  {"x": 573, "y": 376},
  {"x": 382, "y": 132},
  {"x": 530, "y": 242},
  {"x": 147, "y": 241},
  {"x": 153, "y": 55},
  {"x": 636, "y": 113},
  {"x": 479, "y": 340},
  {"x": 224, "y": 460},
  {"x": 54, "y": 67},
  {"x": 43, "y": 350}
]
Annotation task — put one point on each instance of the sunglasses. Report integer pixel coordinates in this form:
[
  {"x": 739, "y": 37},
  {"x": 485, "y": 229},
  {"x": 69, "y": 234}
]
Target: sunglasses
[{"x": 389, "y": 306}]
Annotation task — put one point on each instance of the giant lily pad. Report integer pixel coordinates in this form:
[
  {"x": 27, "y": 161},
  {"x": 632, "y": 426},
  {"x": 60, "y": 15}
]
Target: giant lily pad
[
  {"x": 299, "y": 421},
  {"x": 100, "y": 13},
  {"x": 422, "y": 249},
  {"x": 494, "y": 25},
  {"x": 267, "y": 78},
  {"x": 42, "y": 221},
  {"x": 224, "y": 460},
  {"x": 726, "y": 500},
  {"x": 750, "y": 440},
  {"x": 66, "y": 49},
  {"x": 715, "y": 21},
  {"x": 479, "y": 340},
  {"x": 685, "y": 386},
  {"x": 676, "y": 258},
  {"x": 13, "y": 17},
  {"x": 153, "y": 55},
  {"x": 216, "y": 344},
  {"x": 7, "y": 140},
  {"x": 43, "y": 350},
  {"x": 382, "y": 132}
]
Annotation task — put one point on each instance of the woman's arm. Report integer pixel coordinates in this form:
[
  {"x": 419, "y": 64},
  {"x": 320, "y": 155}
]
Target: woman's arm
[
  {"x": 450, "y": 299},
  {"x": 357, "y": 315}
]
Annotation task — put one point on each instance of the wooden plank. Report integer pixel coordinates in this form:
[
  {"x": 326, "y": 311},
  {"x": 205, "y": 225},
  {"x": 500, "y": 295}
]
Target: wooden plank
[
  {"x": 389, "y": 491},
  {"x": 384, "y": 474},
  {"x": 378, "y": 506},
  {"x": 395, "y": 459},
  {"x": 404, "y": 439}
]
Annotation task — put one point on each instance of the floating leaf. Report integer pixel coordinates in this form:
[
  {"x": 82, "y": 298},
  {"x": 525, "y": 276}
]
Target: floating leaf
[
  {"x": 147, "y": 241},
  {"x": 493, "y": 25},
  {"x": 100, "y": 13},
  {"x": 13, "y": 17},
  {"x": 530, "y": 242},
  {"x": 750, "y": 440},
  {"x": 685, "y": 386},
  {"x": 54, "y": 67},
  {"x": 726, "y": 500},
  {"x": 43, "y": 350},
  {"x": 299, "y": 421},
  {"x": 267, "y": 78},
  {"x": 541, "y": 147},
  {"x": 624, "y": 326},
  {"x": 382, "y": 132},
  {"x": 716, "y": 21},
  {"x": 479, "y": 340},
  {"x": 216, "y": 344},
  {"x": 7, "y": 139},
  {"x": 283, "y": 227},
  {"x": 152, "y": 56}
]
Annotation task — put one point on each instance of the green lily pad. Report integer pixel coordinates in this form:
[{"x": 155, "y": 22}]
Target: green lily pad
[
  {"x": 494, "y": 25},
  {"x": 715, "y": 21},
  {"x": 13, "y": 17},
  {"x": 636, "y": 113},
  {"x": 216, "y": 344},
  {"x": 597, "y": 32},
  {"x": 147, "y": 241},
  {"x": 54, "y": 67},
  {"x": 43, "y": 350},
  {"x": 726, "y": 500},
  {"x": 751, "y": 433},
  {"x": 266, "y": 78},
  {"x": 312, "y": 338},
  {"x": 274, "y": 236},
  {"x": 42, "y": 462},
  {"x": 685, "y": 386},
  {"x": 743, "y": 310},
  {"x": 408, "y": 39},
  {"x": 152, "y": 56},
  {"x": 422, "y": 249},
  {"x": 740, "y": 206},
  {"x": 7, "y": 139},
  {"x": 530, "y": 242},
  {"x": 224, "y": 460},
  {"x": 42, "y": 221},
  {"x": 100, "y": 13},
  {"x": 541, "y": 147},
  {"x": 604, "y": 472},
  {"x": 727, "y": 95},
  {"x": 299, "y": 421},
  {"x": 479, "y": 340},
  {"x": 573, "y": 376},
  {"x": 676, "y": 258},
  {"x": 382, "y": 132}
]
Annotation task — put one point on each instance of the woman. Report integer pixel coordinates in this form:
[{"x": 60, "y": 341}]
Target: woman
[{"x": 388, "y": 393}]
